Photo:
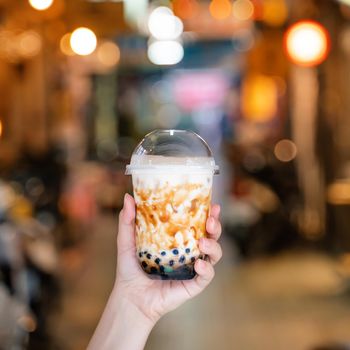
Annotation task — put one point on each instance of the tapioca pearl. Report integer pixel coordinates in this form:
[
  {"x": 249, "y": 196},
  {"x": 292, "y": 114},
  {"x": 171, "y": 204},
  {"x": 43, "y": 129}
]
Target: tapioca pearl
[
  {"x": 149, "y": 256},
  {"x": 154, "y": 269},
  {"x": 144, "y": 264},
  {"x": 182, "y": 259},
  {"x": 168, "y": 269},
  {"x": 187, "y": 250},
  {"x": 163, "y": 253},
  {"x": 175, "y": 251},
  {"x": 140, "y": 254},
  {"x": 157, "y": 261},
  {"x": 161, "y": 268},
  {"x": 171, "y": 262},
  {"x": 193, "y": 259}
]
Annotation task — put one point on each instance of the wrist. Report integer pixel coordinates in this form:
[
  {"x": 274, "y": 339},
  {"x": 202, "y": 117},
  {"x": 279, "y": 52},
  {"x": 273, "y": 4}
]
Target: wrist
[
  {"x": 122, "y": 301},
  {"x": 122, "y": 326}
]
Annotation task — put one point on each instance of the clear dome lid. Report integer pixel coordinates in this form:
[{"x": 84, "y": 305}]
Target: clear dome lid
[{"x": 164, "y": 149}]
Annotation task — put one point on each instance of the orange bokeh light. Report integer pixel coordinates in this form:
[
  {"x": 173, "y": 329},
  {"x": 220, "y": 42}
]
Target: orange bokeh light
[
  {"x": 220, "y": 9},
  {"x": 185, "y": 9},
  {"x": 307, "y": 43}
]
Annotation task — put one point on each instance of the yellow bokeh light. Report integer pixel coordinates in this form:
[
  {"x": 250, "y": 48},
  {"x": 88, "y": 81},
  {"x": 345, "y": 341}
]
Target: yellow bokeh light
[
  {"x": 0, "y": 128},
  {"x": 275, "y": 12},
  {"x": 83, "y": 41},
  {"x": 65, "y": 45},
  {"x": 185, "y": 9},
  {"x": 259, "y": 98},
  {"x": 285, "y": 150},
  {"x": 40, "y": 5},
  {"x": 338, "y": 192},
  {"x": 243, "y": 9},
  {"x": 29, "y": 43},
  {"x": 220, "y": 9},
  {"x": 307, "y": 43},
  {"x": 108, "y": 54}
]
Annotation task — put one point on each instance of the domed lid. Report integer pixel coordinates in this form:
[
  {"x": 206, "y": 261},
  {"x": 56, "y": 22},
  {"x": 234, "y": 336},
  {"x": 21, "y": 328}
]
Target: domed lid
[{"x": 165, "y": 149}]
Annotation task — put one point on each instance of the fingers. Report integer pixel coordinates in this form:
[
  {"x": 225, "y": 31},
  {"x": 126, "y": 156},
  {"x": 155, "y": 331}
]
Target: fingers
[
  {"x": 211, "y": 248},
  {"x": 213, "y": 227},
  {"x": 215, "y": 211},
  {"x": 205, "y": 274},
  {"x": 126, "y": 230}
]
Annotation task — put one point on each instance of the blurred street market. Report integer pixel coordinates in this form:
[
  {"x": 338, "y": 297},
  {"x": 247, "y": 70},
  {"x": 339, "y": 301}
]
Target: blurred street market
[{"x": 264, "y": 82}]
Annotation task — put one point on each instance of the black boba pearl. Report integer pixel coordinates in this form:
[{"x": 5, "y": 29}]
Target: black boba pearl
[
  {"x": 182, "y": 259},
  {"x": 154, "y": 270},
  {"x": 175, "y": 252},
  {"x": 171, "y": 262},
  {"x": 193, "y": 259},
  {"x": 144, "y": 264},
  {"x": 140, "y": 254},
  {"x": 149, "y": 256},
  {"x": 161, "y": 268},
  {"x": 157, "y": 261},
  {"x": 163, "y": 253},
  {"x": 187, "y": 250}
]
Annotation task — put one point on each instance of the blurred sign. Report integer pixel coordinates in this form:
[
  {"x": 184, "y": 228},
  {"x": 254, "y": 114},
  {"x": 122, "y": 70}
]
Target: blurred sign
[{"x": 198, "y": 89}]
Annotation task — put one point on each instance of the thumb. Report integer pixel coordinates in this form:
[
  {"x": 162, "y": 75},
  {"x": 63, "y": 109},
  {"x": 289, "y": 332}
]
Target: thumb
[{"x": 126, "y": 230}]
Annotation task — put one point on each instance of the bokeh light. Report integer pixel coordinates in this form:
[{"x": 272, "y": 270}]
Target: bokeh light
[
  {"x": 27, "y": 322},
  {"x": 220, "y": 9},
  {"x": 83, "y": 41},
  {"x": 65, "y": 45},
  {"x": 243, "y": 9},
  {"x": 259, "y": 98},
  {"x": 29, "y": 43},
  {"x": 307, "y": 43},
  {"x": 185, "y": 9},
  {"x": 0, "y": 128},
  {"x": 338, "y": 192},
  {"x": 163, "y": 25},
  {"x": 275, "y": 12},
  {"x": 108, "y": 54},
  {"x": 40, "y": 5},
  {"x": 285, "y": 150},
  {"x": 167, "y": 52}
]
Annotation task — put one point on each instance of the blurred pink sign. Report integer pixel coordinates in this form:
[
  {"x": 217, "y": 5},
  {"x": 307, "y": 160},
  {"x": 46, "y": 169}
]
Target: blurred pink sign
[{"x": 195, "y": 90}]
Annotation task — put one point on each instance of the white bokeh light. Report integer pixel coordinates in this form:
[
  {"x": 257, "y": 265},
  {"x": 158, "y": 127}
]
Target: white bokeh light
[
  {"x": 306, "y": 43},
  {"x": 167, "y": 52},
  {"x": 83, "y": 41},
  {"x": 40, "y": 5},
  {"x": 163, "y": 25}
]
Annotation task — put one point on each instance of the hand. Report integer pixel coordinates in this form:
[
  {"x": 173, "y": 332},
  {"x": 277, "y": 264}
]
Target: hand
[
  {"x": 154, "y": 298},
  {"x": 137, "y": 302}
]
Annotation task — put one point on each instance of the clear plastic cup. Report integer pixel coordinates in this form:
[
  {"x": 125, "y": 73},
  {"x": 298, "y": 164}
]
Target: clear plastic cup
[{"x": 172, "y": 173}]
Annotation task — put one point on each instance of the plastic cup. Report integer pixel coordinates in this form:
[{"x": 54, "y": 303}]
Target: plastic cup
[{"x": 172, "y": 173}]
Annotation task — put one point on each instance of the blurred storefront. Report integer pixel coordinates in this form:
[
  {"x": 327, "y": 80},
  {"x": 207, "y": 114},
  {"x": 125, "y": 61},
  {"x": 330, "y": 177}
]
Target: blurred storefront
[{"x": 81, "y": 81}]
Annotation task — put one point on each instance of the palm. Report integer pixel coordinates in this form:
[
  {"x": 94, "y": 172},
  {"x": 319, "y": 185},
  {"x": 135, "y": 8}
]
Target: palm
[
  {"x": 155, "y": 297},
  {"x": 158, "y": 297}
]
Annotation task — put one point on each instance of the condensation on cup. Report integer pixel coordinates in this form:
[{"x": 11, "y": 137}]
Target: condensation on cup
[{"x": 172, "y": 174}]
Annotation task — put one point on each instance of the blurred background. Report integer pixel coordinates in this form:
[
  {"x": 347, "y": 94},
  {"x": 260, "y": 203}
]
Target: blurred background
[{"x": 265, "y": 82}]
